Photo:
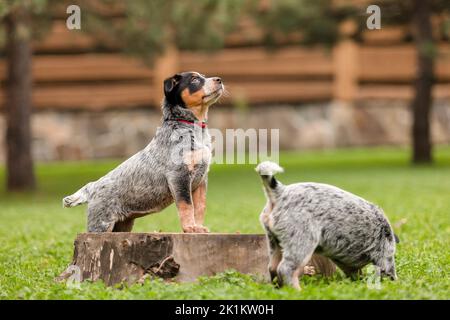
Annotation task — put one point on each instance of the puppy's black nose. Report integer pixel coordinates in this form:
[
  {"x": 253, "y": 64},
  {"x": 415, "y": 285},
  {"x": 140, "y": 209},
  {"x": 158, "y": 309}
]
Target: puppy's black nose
[{"x": 217, "y": 79}]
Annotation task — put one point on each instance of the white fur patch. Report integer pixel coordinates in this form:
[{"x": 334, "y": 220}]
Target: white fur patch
[
  {"x": 268, "y": 168},
  {"x": 192, "y": 158}
]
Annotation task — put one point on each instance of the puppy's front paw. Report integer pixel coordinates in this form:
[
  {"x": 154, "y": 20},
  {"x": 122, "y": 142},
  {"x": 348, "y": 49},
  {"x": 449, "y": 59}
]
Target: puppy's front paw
[
  {"x": 309, "y": 270},
  {"x": 189, "y": 229},
  {"x": 201, "y": 229}
]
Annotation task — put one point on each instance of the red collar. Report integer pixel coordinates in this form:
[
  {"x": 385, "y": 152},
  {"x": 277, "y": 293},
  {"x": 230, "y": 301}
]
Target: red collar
[{"x": 200, "y": 124}]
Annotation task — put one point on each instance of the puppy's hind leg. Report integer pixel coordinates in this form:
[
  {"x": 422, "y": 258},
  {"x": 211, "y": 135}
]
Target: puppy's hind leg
[
  {"x": 296, "y": 256},
  {"x": 100, "y": 218},
  {"x": 275, "y": 256}
]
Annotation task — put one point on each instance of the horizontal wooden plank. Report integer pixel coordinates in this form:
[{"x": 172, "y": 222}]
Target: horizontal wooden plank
[
  {"x": 126, "y": 96},
  {"x": 291, "y": 61},
  {"x": 93, "y": 97},
  {"x": 98, "y": 97},
  {"x": 384, "y": 36},
  {"x": 60, "y": 38},
  {"x": 398, "y": 63},
  {"x": 403, "y": 92},
  {"x": 236, "y": 63},
  {"x": 86, "y": 67},
  {"x": 283, "y": 92},
  {"x": 391, "y": 63},
  {"x": 248, "y": 32}
]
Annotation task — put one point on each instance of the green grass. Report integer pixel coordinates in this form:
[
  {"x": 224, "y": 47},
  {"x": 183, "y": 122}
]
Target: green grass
[{"x": 36, "y": 234}]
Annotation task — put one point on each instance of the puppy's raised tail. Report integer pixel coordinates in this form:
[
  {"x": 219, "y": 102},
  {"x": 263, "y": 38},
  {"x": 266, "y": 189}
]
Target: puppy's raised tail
[
  {"x": 79, "y": 197},
  {"x": 267, "y": 170}
]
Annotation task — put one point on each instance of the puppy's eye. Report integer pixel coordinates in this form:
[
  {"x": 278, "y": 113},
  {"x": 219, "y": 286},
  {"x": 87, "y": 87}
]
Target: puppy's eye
[{"x": 195, "y": 80}]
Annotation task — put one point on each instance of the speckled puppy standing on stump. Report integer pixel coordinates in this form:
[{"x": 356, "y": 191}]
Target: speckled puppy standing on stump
[
  {"x": 305, "y": 218},
  {"x": 172, "y": 168}
]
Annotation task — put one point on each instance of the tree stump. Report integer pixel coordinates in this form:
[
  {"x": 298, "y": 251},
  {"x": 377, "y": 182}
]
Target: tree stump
[{"x": 130, "y": 257}]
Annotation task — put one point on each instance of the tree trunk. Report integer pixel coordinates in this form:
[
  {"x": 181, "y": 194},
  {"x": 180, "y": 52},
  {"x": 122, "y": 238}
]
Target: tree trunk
[
  {"x": 117, "y": 257},
  {"x": 421, "y": 105},
  {"x": 19, "y": 163}
]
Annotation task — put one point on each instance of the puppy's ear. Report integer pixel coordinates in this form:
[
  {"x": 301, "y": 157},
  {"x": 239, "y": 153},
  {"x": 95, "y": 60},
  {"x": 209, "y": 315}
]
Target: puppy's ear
[{"x": 170, "y": 83}]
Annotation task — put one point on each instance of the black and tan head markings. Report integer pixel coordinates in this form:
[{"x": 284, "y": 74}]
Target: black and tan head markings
[
  {"x": 196, "y": 82},
  {"x": 185, "y": 89},
  {"x": 193, "y": 91}
]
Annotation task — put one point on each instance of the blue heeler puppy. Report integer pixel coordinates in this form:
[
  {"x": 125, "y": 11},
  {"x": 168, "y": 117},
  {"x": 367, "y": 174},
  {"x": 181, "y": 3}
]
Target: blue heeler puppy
[
  {"x": 305, "y": 218},
  {"x": 172, "y": 168}
]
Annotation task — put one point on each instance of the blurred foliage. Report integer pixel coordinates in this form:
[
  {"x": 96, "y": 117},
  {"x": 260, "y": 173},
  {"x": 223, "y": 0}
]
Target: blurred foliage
[
  {"x": 319, "y": 20},
  {"x": 39, "y": 12},
  {"x": 34, "y": 6},
  {"x": 149, "y": 27}
]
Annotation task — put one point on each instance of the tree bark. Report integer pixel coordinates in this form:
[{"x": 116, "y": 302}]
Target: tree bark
[
  {"x": 19, "y": 163},
  {"x": 117, "y": 257},
  {"x": 421, "y": 105}
]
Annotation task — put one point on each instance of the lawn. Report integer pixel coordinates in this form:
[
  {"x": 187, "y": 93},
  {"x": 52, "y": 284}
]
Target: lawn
[{"x": 36, "y": 233}]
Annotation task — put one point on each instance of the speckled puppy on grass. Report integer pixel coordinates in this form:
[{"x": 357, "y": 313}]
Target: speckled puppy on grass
[{"x": 305, "y": 218}]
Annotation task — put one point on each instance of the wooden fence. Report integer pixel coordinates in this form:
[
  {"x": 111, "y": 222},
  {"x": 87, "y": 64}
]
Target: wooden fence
[{"x": 70, "y": 73}]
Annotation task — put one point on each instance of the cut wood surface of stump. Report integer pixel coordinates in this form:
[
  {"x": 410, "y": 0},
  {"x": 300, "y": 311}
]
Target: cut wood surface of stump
[{"x": 183, "y": 257}]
